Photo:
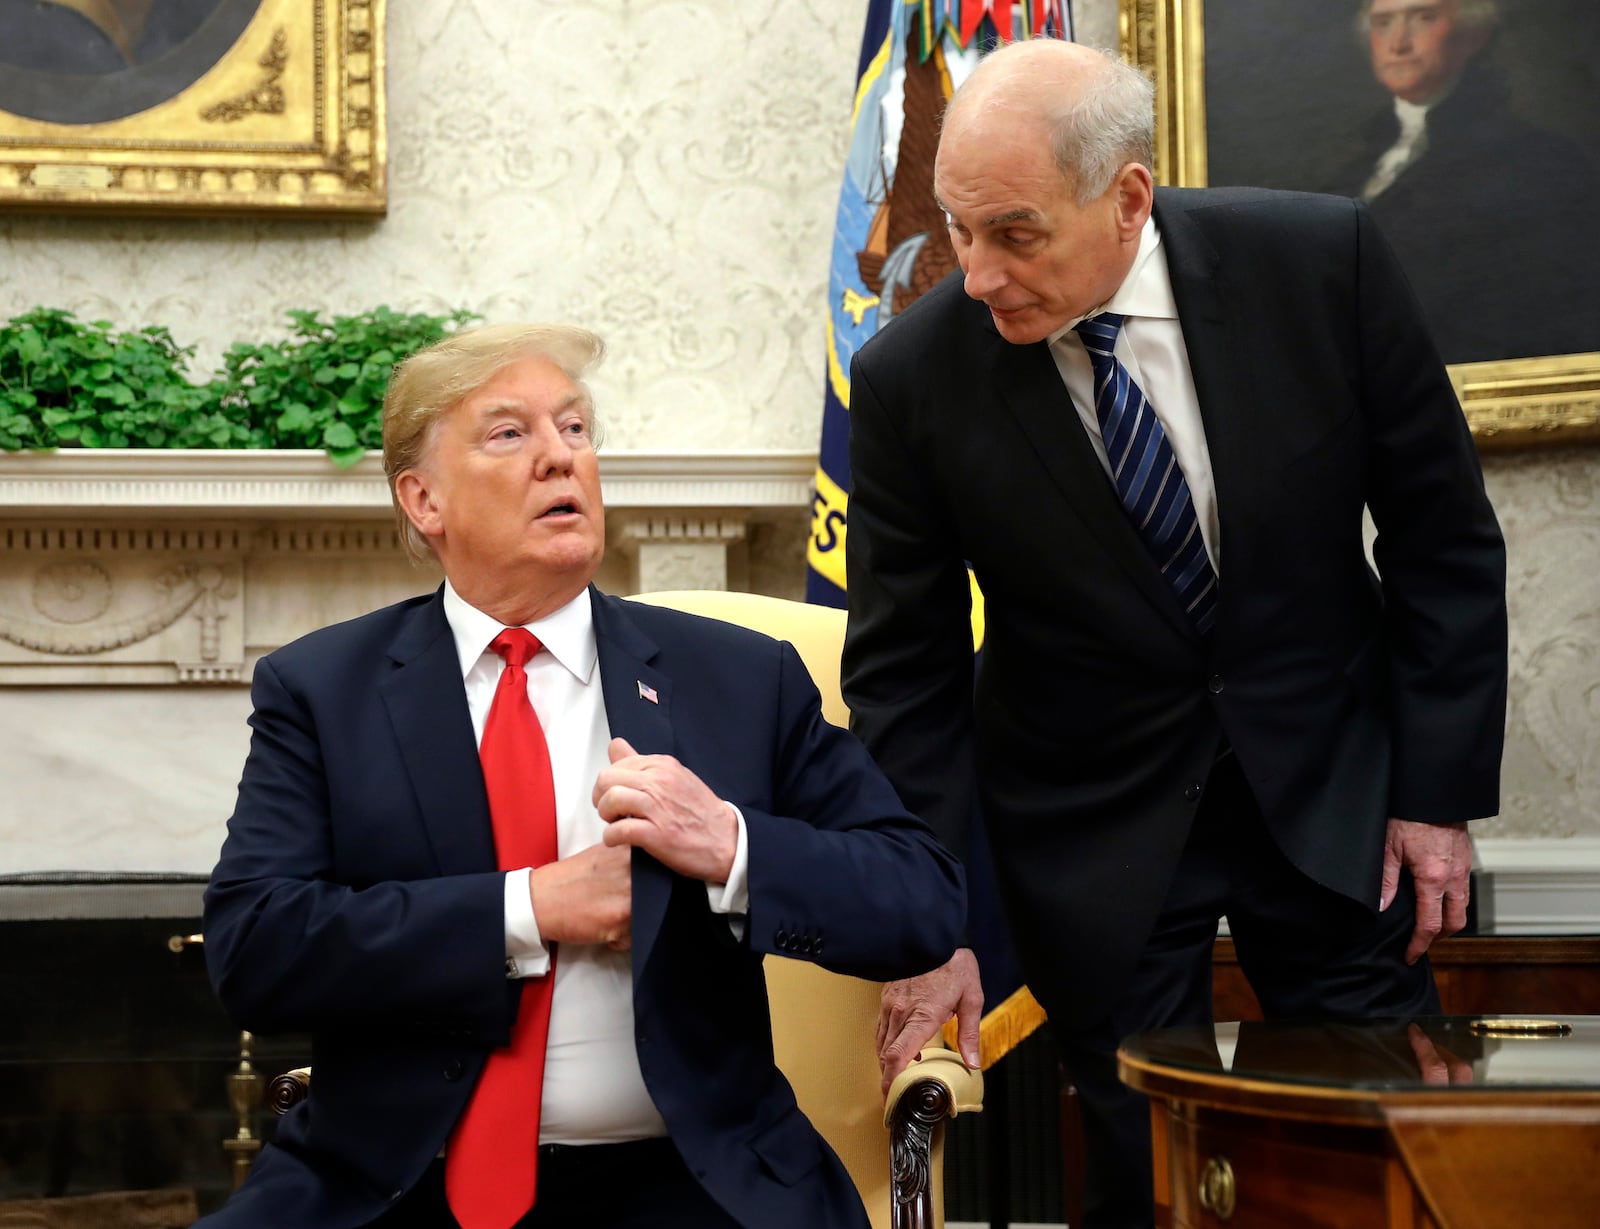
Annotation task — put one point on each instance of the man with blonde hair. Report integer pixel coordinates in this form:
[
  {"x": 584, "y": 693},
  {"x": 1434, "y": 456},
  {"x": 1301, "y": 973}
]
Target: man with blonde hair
[
  {"x": 512, "y": 853},
  {"x": 1150, "y": 420}
]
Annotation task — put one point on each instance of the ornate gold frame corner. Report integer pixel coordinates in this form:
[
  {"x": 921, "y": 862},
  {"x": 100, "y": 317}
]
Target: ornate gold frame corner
[
  {"x": 1509, "y": 403},
  {"x": 291, "y": 119}
]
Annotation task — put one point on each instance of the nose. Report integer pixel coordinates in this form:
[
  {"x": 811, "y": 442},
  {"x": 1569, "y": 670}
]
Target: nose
[
  {"x": 985, "y": 273},
  {"x": 552, "y": 455}
]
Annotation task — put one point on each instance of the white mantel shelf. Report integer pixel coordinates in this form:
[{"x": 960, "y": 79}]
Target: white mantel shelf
[{"x": 180, "y": 484}]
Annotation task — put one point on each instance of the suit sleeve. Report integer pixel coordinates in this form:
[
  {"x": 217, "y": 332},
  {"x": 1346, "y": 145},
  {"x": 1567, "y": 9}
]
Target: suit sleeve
[
  {"x": 839, "y": 872},
  {"x": 291, "y": 948},
  {"x": 908, "y": 653},
  {"x": 1440, "y": 556}
]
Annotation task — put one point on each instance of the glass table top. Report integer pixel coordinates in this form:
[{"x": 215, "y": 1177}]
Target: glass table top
[{"x": 1490, "y": 1052}]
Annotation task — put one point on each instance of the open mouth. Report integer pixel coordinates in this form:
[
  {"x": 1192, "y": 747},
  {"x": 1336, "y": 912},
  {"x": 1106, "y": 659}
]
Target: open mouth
[{"x": 559, "y": 509}]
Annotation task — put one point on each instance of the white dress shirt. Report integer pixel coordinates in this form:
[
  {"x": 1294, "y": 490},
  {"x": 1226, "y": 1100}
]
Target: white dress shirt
[
  {"x": 1151, "y": 347},
  {"x": 593, "y": 1089}
]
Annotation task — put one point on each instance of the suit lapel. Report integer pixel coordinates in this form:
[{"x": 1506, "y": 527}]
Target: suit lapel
[
  {"x": 628, "y": 682},
  {"x": 1030, "y": 386},
  {"x": 1240, "y": 431},
  {"x": 427, "y": 706}
]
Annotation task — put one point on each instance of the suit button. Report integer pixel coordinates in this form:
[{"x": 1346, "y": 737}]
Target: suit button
[
  {"x": 805, "y": 945},
  {"x": 1215, "y": 684},
  {"x": 1193, "y": 792},
  {"x": 452, "y": 1069},
  {"x": 816, "y": 946},
  {"x": 781, "y": 938}
]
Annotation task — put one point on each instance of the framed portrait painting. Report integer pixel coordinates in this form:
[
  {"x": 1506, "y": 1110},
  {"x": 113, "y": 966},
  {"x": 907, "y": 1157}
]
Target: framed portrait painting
[
  {"x": 1472, "y": 130},
  {"x": 192, "y": 106}
]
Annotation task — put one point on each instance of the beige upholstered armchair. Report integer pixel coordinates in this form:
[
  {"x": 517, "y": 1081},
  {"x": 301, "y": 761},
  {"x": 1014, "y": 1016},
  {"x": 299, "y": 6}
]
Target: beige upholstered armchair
[{"x": 823, "y": 1024}]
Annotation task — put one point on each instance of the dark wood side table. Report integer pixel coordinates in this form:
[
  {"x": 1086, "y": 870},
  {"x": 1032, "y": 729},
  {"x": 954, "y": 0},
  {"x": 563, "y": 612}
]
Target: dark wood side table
[
  {"x": 1475, "y": 974},
  {"x": 1427, "y": 1124}
]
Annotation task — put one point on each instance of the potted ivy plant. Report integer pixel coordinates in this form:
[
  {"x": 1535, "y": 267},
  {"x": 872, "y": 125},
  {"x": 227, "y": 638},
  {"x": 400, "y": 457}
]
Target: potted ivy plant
[{"x": 66, "y": 383}]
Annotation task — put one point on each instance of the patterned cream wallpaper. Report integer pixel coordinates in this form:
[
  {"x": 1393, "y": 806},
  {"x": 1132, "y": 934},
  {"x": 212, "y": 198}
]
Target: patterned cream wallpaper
[{"x": 665, "y": 171}]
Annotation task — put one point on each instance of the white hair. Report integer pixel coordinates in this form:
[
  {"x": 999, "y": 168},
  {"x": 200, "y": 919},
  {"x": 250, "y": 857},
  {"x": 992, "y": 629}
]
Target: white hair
[
  {"x": 1472, "y": 14},
  {"x": 1110, "y": 124}
]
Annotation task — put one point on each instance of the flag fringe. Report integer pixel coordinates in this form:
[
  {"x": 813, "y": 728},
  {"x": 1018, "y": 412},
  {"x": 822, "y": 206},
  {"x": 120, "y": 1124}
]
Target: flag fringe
[{"x": 1002, "y": 1029}]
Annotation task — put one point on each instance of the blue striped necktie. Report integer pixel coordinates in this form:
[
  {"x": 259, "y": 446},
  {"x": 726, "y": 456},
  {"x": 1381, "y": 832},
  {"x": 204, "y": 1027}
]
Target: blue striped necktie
[{"x": 1148, "y": 478}]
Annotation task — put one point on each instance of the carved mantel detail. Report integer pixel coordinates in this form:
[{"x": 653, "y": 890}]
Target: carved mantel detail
[{"x": 150, "y": 568}]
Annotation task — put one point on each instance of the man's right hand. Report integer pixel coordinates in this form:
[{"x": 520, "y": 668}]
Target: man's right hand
[
  {"x": 911, "y": 1013},
  {"x": 587, "y": 898}
]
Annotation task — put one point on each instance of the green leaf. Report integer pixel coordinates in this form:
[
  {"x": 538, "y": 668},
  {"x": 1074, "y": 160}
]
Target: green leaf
[
  {"x": 340, "y": 438},
  {"x": 295, "y": 418}
]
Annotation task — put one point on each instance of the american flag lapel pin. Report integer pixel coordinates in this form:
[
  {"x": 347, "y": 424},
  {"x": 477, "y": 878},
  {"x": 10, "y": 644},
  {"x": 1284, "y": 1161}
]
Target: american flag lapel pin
[{"x": 646, "y": 692}]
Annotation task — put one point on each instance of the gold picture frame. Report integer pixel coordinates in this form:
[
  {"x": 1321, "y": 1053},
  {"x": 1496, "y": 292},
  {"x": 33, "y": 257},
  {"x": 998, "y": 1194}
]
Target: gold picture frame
[
  {"x": 1509, "y": 403},
  {"x": 267, "y": 106}
]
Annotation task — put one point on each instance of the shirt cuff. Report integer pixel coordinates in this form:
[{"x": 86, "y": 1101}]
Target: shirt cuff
[
  {"x": 733, "y": 897},
  {"x": 526, "y": 954}
]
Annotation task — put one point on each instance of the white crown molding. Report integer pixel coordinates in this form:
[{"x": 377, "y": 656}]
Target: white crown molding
[
  {"x": 1539, "y": 886},
  {"x": 182, "y": 484}
]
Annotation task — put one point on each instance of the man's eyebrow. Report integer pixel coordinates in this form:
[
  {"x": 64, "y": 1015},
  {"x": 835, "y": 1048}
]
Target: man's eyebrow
[
  {"x": 1013, "y": 215},
  {"x": 503, "y": 404},
  {"x": 999, "y": 219}
]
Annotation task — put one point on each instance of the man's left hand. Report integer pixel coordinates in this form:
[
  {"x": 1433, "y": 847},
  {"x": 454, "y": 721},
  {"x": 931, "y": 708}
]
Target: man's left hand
[
  {"x": 1439, "y": 857},
  {"x": 657, "y": 804}
]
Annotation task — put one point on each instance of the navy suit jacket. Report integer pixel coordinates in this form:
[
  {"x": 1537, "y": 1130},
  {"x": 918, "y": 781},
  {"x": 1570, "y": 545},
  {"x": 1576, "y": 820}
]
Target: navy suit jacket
[
  {"x": 1348, "y": 696},
  {"x": 356, "y": 898}
]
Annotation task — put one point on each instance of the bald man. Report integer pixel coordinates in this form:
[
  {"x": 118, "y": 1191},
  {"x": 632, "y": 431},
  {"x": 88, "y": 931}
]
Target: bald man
[{"x": 1150, "y": 421}]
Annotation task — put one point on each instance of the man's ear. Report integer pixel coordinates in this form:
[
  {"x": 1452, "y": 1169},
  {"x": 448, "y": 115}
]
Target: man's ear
[
  {"x": 1133, "y": 196},
  {"x": 418, "y": 499}
]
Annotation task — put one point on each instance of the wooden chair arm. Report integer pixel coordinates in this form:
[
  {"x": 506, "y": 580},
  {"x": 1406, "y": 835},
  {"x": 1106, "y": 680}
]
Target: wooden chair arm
[
  {"x": 289, "y": 1089},
  {"x": 935, "y": 1087}
]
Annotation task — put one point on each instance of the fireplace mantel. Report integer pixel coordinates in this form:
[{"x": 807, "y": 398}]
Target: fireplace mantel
[{"x": 134, "y": 566}]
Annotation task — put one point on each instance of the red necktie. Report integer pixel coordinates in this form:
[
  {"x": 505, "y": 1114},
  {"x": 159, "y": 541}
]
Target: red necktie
[{"x": 491, "y": 1162}]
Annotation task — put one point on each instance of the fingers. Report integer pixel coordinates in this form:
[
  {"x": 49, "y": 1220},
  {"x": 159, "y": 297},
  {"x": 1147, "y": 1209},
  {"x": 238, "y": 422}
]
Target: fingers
[
  {"x": 893, "y": 1006},
  {"x": 619, "y": 749},
  {"x": 630, "y": 832},
  {"x": 911, "y": 1013},
  {"x": 968, "y": 1016},
  {"x": 1455, "y": 909},
  {"x": 1391, "y": 874},
  {"x": 1439, "y": 857},
  {"x": 618, "y": 801},
  {"x": 1428, "y": 922},
  {"x": 920, "y": 1028},
  {"x": 1429, "y": 1065},
  {"x": 1435, "y": 1064}
]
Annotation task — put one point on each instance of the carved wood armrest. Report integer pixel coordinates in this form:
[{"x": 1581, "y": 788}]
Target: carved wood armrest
[
  {"x": 935, "y": 1087},
  {"x": 289, "y": 1089}
]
